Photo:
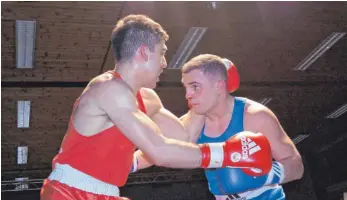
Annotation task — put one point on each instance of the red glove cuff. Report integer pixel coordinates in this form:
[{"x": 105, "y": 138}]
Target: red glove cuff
[{"x": 206, "y": 155}]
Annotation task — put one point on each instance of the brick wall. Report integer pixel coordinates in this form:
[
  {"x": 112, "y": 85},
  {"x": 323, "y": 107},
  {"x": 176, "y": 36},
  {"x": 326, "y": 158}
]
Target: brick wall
[
  {"x": 50, "y": 111},
  {"x": 71, "y": 38}
]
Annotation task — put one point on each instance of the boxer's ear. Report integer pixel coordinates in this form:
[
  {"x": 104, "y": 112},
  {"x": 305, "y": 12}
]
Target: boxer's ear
[
  {"x": 220, "y": 86},
  {"x": 142, "y": 54}
]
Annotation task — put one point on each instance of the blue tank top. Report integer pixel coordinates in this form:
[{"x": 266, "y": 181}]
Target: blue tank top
[{"x": 236, "y": 126}]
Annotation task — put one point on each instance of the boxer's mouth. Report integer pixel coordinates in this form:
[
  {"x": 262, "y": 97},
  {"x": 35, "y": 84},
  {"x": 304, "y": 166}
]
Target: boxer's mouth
[{"x": 194, "y": 104}]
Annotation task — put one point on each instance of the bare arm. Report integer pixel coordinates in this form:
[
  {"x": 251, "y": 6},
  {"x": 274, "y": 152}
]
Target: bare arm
[
  {"x": 193, "y": 124},
  {"x": 143, "y": 132},
  {"x": 187, "y": 128},
  {"x": 283, "y": 149},
  {"x": 170, "y": 127},
  {"x": 168, "y": 123}
]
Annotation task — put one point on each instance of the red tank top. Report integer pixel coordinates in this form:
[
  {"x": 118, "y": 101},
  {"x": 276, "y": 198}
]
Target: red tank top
[{"x": 107, "y": 156}]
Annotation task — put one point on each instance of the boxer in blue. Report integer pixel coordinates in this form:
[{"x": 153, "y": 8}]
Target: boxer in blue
[{"x": 216, "y": 116}]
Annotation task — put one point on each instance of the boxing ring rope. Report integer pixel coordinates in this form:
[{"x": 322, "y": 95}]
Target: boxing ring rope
[{"x": 134, "y": 179}]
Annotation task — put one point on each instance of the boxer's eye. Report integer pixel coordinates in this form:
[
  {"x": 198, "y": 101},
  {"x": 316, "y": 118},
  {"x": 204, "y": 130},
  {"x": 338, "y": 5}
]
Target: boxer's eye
[{"x": 195, "y": 87}]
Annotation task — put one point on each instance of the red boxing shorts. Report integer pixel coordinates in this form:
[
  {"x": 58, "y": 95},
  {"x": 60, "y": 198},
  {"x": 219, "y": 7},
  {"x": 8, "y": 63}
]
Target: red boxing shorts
[{"x": 67, "y": 183}]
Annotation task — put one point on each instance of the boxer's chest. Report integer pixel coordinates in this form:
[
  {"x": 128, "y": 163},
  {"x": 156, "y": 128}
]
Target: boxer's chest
[{"x": 217, "y": 128}]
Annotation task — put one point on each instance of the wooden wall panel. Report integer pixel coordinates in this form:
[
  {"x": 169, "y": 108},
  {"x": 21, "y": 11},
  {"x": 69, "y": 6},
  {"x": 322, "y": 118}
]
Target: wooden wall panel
[
  {"x": 173, "y": 99},
  {"x": 71, "y": 39},
  {"x": 188, "y": 14},
  {"x": 265, "y": 40},
  {"x": 75, "y": 12},
  {"x": 50, "y": 111},
  {"x": 73, "y": 60}
]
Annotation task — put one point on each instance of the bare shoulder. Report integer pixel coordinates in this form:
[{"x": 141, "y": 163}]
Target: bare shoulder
[
  {"x": 105, "y": 82},
  {"x": 259, "y": 118},
  {"x": 104, "y": 96},
  {"x": 101, "y": 87},
  {"x": 113, "y": 92},
  {"x": 253, "y": 107},
  {"x": 257, "y": 115}
]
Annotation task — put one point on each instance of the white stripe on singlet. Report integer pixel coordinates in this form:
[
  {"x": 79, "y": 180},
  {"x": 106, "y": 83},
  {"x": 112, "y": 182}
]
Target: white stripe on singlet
[
  {"x": 249, "y": 194},
  {"x": 257, "y": 192}
]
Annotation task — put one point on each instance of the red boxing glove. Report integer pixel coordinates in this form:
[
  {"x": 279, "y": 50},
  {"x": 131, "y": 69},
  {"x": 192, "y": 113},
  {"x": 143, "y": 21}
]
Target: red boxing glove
[
  {"x": 233, "y": 76},
  {"x": 246, "y": 150}
]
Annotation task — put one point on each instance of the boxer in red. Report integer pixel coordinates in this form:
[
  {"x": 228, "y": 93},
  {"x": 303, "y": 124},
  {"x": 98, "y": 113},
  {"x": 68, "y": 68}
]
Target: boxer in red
[{"x": 118, "y": 111}]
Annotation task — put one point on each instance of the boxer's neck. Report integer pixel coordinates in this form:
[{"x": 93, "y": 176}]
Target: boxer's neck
[
  {"x": 222, "y": 110},
  {"x": 129, "y": 76}
]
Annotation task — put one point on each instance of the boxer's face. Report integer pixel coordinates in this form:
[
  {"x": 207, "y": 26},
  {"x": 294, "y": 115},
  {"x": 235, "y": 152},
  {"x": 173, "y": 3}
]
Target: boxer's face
[
  {"x": 153, "y": 64},
  {"x": 200, "y": 91}
]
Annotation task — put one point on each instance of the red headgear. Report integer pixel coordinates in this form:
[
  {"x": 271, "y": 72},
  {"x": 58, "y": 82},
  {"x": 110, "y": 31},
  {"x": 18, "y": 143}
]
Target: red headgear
[{"x": 233, "y": 76}]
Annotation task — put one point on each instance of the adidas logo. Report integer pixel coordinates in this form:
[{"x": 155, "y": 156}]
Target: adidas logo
[{"x": 249, "y": 147}]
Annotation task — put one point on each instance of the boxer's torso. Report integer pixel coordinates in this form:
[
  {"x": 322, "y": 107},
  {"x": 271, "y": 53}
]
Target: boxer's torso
[
  {"x": 93, "y": 145},
  {"x": 88, "y": 118},
  {"x": 239, "y": 120}
]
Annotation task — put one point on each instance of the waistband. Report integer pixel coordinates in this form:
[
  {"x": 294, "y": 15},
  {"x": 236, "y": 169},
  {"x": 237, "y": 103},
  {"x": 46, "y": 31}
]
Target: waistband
[{"x": 72, "y": 177}]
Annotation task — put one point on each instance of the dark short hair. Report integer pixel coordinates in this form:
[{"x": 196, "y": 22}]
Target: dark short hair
[
  {"x": 133, "y": 31},
  {"x": 208, "y": 64}
]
